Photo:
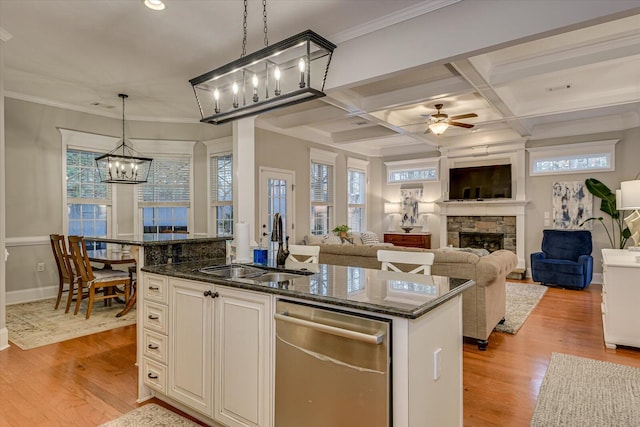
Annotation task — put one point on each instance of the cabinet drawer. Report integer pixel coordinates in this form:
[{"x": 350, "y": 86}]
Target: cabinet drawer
[
  {"x": 155, "y": 375},
  {"x": 155, "y": 289},
  {"x": 155, "y": 346},
  {"x": 155, "y": 317}
]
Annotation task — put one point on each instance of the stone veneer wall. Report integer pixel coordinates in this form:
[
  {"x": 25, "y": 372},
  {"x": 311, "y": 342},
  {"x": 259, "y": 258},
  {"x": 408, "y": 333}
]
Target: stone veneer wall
[{"x": 482, "y": 224}]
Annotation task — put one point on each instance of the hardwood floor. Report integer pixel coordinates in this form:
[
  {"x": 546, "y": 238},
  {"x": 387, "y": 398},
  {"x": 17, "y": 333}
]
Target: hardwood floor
[{"x": 91, "y": 380}]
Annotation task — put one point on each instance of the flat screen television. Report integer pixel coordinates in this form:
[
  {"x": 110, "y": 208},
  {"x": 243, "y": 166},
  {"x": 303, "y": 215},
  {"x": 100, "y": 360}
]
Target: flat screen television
[{"x": 480, "y": 182}]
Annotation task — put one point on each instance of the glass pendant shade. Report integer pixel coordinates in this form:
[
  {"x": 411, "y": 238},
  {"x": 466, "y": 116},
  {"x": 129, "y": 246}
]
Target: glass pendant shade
[
  {"x": 438, "y": 128},
  {"x": 285, "y": 73}
]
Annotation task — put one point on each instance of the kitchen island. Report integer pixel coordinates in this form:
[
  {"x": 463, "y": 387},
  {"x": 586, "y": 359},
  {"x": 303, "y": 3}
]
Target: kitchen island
[{"x": 209, "y": 342}]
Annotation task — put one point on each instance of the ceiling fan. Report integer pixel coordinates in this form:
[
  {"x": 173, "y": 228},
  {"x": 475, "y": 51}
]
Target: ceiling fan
[{"x": 440, "y": 122}]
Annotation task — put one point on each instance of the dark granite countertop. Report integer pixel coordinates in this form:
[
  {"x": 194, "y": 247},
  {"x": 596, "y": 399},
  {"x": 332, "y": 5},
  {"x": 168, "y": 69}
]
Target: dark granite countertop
[
  {"x": 384, "y": 292},
  {"x": 154, "y": 239}
]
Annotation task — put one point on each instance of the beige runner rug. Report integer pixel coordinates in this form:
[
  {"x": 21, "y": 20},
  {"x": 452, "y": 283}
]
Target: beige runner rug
[
  {"x": 150, "y": 415},
  {"x": 35, "y": 324},
  {"x": 522, "y": 298},
  {"x": 579, "y": 392}
]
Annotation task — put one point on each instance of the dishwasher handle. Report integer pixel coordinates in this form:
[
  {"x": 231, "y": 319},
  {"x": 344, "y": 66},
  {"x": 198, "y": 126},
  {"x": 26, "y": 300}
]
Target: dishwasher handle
[{"x": 354, "y": 335}]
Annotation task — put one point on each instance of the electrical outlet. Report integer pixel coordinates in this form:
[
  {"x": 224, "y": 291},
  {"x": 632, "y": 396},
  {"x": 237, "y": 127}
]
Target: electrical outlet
[
  {"x": 547, "y": 223},
  {"x": 40, "y": 266},
  {"x": 437, "y": 364}
]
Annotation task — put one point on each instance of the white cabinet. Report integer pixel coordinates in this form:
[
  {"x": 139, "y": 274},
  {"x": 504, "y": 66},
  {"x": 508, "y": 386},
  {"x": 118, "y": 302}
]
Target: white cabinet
[
  {"x": 208, "y": 348},
  {"x": 153, "y": 348},
  {"x": 242, "y": 358},
  {"x": 620, "y": 297},
  {"x": 191, "y": 344}
]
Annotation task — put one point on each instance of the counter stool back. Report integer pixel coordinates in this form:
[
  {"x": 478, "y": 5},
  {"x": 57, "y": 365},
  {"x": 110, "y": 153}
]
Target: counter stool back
[{"x": 424, "y": 260}]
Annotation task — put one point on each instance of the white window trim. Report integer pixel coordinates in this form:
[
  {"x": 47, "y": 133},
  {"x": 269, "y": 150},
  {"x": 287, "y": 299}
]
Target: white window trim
[
  {"x": 85, "y": 141},
  {"x": 215, "y": 147},
  {"x": 359, "y": 165},
  {"x": 164, "y": 148},
  {"x": 325, "y": 158},
  {"x": 570, "y": 151},
  {"x": 403, "y": 165}
]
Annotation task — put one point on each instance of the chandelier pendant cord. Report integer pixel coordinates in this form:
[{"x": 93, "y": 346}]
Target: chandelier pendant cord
[
  {"x": 244, "y": 26},
  {"x": 123, "y": 96}
]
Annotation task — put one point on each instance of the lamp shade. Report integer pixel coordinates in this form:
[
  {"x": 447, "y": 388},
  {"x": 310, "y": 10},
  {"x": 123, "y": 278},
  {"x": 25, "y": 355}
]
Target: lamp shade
[
  {"x": 426, "y": 207},
  {"x": 392, "y": 208},
  {"x": 630, "y": 194}
]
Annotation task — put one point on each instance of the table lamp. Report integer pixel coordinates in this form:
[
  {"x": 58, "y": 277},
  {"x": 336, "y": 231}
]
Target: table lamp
[
  {"x": 392, "y": 209},
  {"x": 425, "y": 209}
]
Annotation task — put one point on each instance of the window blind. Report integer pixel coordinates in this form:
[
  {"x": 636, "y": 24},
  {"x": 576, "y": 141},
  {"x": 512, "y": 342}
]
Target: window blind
[{"x": 168, "y": 183}]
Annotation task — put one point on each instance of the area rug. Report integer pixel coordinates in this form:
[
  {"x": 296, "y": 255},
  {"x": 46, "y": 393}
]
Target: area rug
[
  {"x": 150, "y": 415},
  {"x": 521, "y": 300},
  {"x": 587, "y": 393},
  {"x": 35, "y": 324}
]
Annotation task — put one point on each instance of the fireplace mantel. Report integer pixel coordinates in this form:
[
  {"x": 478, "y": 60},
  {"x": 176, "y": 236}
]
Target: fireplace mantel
[{"x": 494, "y": 207}]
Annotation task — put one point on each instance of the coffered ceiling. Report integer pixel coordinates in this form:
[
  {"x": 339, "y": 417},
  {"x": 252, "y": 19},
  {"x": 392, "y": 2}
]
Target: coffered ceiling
[{"x": 81, "y": 54}]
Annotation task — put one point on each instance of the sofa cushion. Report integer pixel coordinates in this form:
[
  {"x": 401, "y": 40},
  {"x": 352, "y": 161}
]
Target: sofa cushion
[{"x": 331, "y": 239}]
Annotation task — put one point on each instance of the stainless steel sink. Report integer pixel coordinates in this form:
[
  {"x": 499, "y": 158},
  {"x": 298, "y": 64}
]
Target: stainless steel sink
[
  {"x": 233, "y": 271},
  {"x": 250, "y": 274}
]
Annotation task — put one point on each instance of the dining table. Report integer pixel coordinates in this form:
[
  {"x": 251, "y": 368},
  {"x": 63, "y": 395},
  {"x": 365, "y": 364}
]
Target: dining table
[{"x": 109, "y": 258}]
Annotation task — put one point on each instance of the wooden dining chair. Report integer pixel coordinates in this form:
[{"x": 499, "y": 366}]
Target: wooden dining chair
[
  {"x": 68, "y": 281},
  {"x": 94, "y": 280},
  {"x": 424, "y": 260}
]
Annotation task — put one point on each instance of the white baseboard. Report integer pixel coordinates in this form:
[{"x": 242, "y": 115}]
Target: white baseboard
[
  {"x": 28, "y": 295},
  {"x": 4, "y": 339}
]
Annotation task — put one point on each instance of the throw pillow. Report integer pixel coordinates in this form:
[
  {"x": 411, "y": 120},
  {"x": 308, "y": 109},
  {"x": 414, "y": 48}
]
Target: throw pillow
[
  {"x": 313, "y": 240},
  {"x": 331, "y": 239},
  {"x": 369, "y": 238}
]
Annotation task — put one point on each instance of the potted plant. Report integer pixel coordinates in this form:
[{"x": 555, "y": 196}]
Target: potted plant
[
  {"x": 608, "y": 206},
  {"x": 341, "y": 230}
]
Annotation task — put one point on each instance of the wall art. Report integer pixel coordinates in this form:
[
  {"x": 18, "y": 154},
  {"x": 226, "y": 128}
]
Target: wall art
[
  {"x": 572, "y": 204},
  {"x": 410, "y": 199}
]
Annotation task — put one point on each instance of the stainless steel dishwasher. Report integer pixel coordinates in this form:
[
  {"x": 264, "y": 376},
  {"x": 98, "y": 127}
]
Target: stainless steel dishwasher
[{"x": 333, "y": 369}]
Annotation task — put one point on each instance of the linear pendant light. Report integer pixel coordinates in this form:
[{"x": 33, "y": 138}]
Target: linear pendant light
[{"x": 291, "y": 71}]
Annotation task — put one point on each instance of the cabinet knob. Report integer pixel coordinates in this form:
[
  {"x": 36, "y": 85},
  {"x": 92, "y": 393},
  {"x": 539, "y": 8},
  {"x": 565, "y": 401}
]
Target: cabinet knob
[
  {"x": 207, "y": 293},
  {"x": 215, "y": 295}
]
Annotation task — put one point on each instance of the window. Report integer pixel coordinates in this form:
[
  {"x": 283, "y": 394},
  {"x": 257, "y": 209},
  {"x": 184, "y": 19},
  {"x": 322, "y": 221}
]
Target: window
[
  {"x": 322, "y": 165},
  {"x": 87, "y": 197},
  {"x": 412, "y": 171},
  {"x": 221, "y": 168},
  {"x": 166, "y": 197},
  {"x": 596, "y": 156},
  {"x": 356, "y": 194}
]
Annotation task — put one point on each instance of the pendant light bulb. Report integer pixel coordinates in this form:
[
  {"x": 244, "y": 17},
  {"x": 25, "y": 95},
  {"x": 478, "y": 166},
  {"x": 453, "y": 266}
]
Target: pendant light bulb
[{"x": 276, "y": 74}]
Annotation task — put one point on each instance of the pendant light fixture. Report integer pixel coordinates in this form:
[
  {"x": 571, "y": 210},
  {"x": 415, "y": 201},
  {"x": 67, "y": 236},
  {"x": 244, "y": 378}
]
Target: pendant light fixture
[
  {"x": 291, "y": 71},
  {"x": 123, "y": 165}
]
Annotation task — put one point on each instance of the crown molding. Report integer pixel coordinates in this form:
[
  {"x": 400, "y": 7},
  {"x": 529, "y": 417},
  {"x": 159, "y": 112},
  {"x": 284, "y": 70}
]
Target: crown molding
[{"x": 391, "y": 19}]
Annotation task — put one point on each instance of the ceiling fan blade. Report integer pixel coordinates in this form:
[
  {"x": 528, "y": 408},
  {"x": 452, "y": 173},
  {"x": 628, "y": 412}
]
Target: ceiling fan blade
[
  {"x": 464, "y": 116},
  {"x": 462, "y": 125}
]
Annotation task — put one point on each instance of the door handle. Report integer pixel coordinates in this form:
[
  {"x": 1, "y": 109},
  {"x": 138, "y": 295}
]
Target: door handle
[{"x": 354, "y": 335}]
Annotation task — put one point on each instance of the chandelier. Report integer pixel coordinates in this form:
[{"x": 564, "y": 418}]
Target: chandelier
[
  {"x": 123, "y": 165},
  {"x": 291, "y": 71}
]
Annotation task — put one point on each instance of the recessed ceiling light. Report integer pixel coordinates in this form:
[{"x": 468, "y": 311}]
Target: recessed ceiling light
[{"x": 154, "y": 4}]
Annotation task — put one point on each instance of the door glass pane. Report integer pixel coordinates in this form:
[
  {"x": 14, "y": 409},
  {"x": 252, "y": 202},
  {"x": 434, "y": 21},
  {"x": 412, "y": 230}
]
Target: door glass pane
[{"x": 277, "y": 201}]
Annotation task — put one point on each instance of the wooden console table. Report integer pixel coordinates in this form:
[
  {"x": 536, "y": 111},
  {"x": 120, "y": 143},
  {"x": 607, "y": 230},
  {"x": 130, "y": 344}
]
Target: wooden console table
[{"x": 409, "y": 240}]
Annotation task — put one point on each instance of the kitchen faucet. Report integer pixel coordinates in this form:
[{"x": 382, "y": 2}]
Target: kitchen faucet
[{"x": 276, "y": 236}]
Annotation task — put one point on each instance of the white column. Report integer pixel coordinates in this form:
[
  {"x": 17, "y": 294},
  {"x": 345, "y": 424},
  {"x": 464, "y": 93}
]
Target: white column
[
  {"x": 244, "y": 193},
  {"x": 4, "y": 333}
]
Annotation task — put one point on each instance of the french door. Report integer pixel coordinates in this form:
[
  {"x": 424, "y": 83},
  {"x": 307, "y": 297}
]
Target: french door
[{"x": 276, "y": 196}]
